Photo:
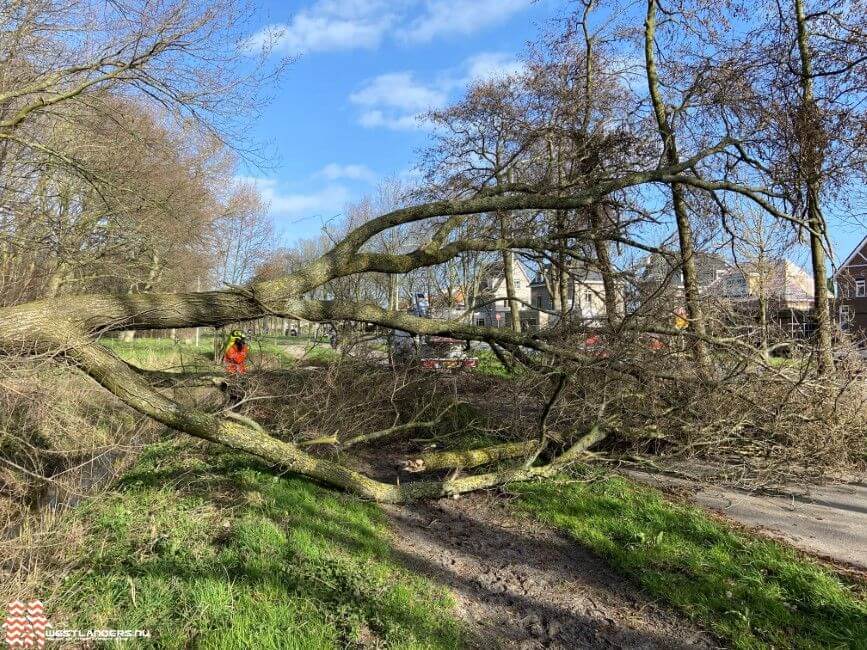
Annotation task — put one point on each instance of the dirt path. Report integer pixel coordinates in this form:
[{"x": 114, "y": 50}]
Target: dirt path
[
  {"x": 519, "y": 585},
  {"x": 828, "y": 520}
]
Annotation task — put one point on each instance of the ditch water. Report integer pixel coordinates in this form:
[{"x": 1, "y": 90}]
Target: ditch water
[{"x": 66, "y": 489}]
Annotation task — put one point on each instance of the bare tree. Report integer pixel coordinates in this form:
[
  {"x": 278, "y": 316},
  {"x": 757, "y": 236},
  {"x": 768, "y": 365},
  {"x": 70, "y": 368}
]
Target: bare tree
[{"x": 522, "y": 151}]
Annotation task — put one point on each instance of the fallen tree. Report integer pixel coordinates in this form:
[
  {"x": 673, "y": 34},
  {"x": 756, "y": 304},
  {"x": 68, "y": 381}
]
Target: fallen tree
[
  {"x": 557, "y": 167},
  {"x": 69, "y": 328}
]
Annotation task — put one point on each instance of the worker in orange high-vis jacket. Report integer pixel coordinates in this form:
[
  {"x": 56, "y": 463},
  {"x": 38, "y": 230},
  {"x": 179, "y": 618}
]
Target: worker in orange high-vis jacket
[{"x": 235, "y": 353}]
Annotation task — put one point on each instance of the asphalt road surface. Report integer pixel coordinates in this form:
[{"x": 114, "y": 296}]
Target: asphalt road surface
[{"x": 830, "y": 520}]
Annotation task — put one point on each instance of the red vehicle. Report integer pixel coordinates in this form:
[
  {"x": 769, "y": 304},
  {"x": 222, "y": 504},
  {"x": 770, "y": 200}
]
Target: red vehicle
[{"x": 596, "y": 346}]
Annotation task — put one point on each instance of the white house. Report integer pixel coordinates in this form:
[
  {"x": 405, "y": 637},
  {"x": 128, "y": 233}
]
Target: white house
[{"x": 492, "y": 304}]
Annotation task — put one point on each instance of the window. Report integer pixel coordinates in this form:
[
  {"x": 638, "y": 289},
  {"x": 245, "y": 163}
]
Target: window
[
  {"x": 539, "y": 302},
  {"x": 480, "y": 322},
  {"x": 860, "y": 288},
  {"x": 846, "y": 316}
]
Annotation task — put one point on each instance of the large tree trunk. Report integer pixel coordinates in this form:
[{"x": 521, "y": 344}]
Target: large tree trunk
[
  {"x": 393, "y": 292},
  {"x": 606, "y": 269},
  {"x": 68, "y": 327},
  {"x": 56, "y": 280},
  {"x": 509, "y": 272},
  {"x": 684, "y": 227},
  {"x": 809, "y": 136}
]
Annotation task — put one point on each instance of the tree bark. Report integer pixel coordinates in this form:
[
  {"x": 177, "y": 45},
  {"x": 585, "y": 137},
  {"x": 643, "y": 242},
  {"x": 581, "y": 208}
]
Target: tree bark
[
  {"x": 606, "y": 269},
  {"x": 470, "y": 458},
  {"x": 809, "y": 127},
  {"x": 67, "y": 328},
  {"x": 692, "y": 296}
]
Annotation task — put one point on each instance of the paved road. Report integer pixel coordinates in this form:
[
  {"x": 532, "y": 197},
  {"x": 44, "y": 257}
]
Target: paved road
[{"x": 830, "y": 520}]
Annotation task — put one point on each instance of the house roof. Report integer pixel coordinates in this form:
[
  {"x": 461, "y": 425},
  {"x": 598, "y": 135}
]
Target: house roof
[
  {"x": 495, "y": 270},
  {"x": 659, "y": 268},
  {"x": 494, "y": 275},
  {"x": 859, "y": 248},
  {"x": 581, "y": 274},
  {"x": 783, "y": 279}
]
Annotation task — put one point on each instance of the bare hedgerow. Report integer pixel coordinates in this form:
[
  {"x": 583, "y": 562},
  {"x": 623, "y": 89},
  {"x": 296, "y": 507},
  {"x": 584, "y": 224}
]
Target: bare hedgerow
[
  {"x": 764, "y": 420},
  {"x": 760, "y": 422},
  {"x": 60, "y": 436}
]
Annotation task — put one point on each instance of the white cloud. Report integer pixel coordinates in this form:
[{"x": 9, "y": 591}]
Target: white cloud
[
  {"x": 329, "y": 25},
  {"x": 332, "y": 25},
  {"x": 376, "y": 118},
  {"x": 335, "y": 171},
  {"x": 326, "y": 201},
  {"x": 399, "y": 90},
  {"x": 441, "y": 17},
  {"x": 399, "y": 102},
  {"x": 491, "y": 65}
]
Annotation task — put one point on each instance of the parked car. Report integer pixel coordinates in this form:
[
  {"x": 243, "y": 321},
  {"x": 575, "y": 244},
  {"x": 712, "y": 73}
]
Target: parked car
[{"x": 432, "y": 352}]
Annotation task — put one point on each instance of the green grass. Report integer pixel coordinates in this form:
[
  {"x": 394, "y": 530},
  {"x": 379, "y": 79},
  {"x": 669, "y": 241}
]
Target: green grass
[
  {"x": 163, "y": 353},
  {"x": 489, "y": 364},
  {"x": 753, "y": 592},
  {"x": 210, "y": 550},
  {"x": 160, "y": 354},
  {"x": 276, "y": 346}
]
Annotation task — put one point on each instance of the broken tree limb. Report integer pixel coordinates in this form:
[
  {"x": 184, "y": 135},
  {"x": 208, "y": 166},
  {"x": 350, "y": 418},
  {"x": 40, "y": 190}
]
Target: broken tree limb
[
  {"x": 243, "y": 419},
  {"x": 324, "y": 440},
  {"x": 562, "y": 378},
  {"x": 115, "y": 375},
  {"x": 66, "y": 326},
  {"x": 595, "y": 435},
  {"x": 470, "y": 458},
  {"x": 399, "y": 428},
  {"x": 180, "y": 379},
  {"x": 377, "y": 435}
]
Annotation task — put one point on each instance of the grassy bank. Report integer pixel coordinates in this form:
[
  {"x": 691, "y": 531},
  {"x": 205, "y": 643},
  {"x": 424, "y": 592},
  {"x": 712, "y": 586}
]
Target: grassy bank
[
  {"x": 209, "y": 550},
  {"x": 265, "y": 351},
  {"x": 752, "y": 592}
]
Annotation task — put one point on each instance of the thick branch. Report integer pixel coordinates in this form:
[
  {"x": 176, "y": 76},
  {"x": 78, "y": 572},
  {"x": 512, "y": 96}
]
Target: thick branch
[
  {"x": 112, "y": 373},
  {"x": 467, "y": 459}
]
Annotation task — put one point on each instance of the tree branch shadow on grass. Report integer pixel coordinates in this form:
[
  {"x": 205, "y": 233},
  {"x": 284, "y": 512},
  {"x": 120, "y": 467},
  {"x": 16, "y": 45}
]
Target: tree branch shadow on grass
[
  {"x": 557, "y": 563},
  {"x": 294, "y": 559},
  {"x": 222, "y": 553}
]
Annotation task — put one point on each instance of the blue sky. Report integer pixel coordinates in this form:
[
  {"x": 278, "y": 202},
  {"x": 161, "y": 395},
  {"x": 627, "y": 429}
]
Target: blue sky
[{"x": 346, "y": 114}]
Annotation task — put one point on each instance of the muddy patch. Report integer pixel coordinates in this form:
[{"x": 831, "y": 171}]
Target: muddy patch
[{"x": 519, "y": 585}]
